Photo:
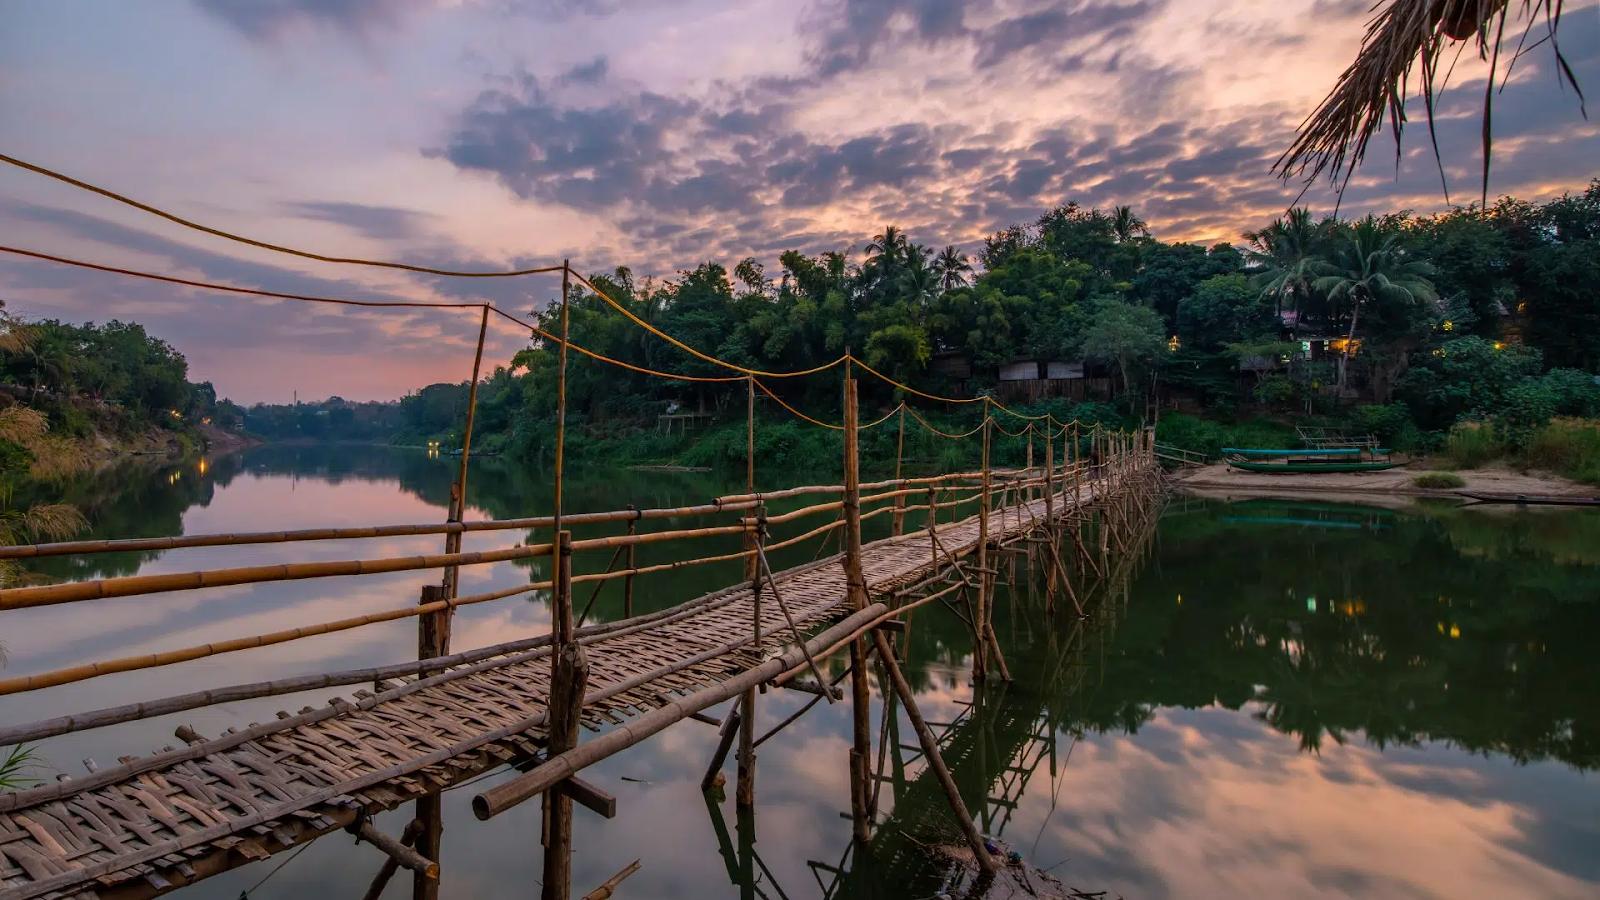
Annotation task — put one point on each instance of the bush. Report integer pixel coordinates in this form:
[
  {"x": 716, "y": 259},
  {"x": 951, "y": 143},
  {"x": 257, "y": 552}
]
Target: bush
[
  {"x": 1524, "y": 410},
  {"x": 1570, "y": 447},
  {"x": 1439, "y": 480},
  {"x": 1472, "y": 444},
  {"x": 1573, "y": 391}
]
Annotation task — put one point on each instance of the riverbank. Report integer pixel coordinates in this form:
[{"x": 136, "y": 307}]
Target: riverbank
[{"x": 1497, "y": 478}]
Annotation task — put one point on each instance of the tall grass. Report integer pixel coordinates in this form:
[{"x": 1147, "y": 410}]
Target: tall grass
[
  {"x": 1473, "y": 444},
  {"x": 1570, "y": 447}
]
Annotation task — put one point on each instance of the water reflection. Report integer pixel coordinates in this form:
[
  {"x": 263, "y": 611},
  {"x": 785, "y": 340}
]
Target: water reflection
[{"x": 1285, "y": 699}]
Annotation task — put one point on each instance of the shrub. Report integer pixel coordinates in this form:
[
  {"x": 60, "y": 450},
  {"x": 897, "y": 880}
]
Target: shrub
[
  {"x": 1439, "y": 480},
  {"x": 1573, "y": 391},
  {"x": 1570, "y": 447},
  {"x": 1472, "y": 444}
]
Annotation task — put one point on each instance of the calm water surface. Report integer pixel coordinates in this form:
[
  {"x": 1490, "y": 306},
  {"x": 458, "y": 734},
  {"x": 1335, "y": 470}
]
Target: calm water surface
[{"x": 1284, "y": 699}]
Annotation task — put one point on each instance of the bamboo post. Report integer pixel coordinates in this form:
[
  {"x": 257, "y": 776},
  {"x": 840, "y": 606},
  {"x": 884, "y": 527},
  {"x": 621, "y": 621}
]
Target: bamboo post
[
  {"x": 861, "y": 696},
  {"x": 568, "y": 667},
  {"x": 433, "y": 634},
  {"x": 745, "y": 793},
  {"x": 725, "y": 738},
  {"x": 458, "y": 490},
  {"x": 569, "y": 675},
  {"x": 1027, "y": 493},
  {"x": 980, "y": 616},
  {"x": 899, "y": 460},
  {"x": 930, "y": 751},
  {"x": 609, "y": 886},
  {"x": 627, "y": 580}
]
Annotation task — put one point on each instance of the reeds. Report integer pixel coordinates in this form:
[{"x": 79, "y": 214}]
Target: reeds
[
  {"x": 1473, "y": 444},
  {"x": 1570, "y": 447}
]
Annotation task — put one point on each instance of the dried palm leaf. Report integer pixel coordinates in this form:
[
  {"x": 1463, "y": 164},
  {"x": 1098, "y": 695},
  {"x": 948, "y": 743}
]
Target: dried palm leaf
[{"x": 1404, "y": 35}]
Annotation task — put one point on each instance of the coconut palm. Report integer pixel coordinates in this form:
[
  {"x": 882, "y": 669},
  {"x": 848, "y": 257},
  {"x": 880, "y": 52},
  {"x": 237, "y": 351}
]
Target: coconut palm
[
  {"x": 1374, "y": 89},
  {"x": 886, "y": 248},
  {"x": 1369, "y": 264},
  {"x": 953, "y": 267},
  {"x": 1285, "y": 255},
  {"x": 1126, "y": 226},
  {"x": 919, "y": 281}
]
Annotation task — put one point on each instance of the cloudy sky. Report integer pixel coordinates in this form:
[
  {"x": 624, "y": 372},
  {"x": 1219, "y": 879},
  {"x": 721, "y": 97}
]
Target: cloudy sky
[{"x": 656, "y": 134}]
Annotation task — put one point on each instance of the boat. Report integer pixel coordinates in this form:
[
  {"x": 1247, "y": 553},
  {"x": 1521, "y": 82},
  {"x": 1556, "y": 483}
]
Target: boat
[
  {"x": 1529, "y": 499},
  {"x": 1322, "y": 461}
]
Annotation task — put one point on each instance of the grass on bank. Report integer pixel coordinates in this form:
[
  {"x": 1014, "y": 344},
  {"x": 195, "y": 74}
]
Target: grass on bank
[
  {"x": 1439, "y": 480},
  {"x": 1567, "y": 447}
]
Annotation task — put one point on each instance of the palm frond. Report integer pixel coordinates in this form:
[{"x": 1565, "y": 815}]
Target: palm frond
[
  {"x": 18, "y": 760},
  {"x": 1404, "y": 35}
]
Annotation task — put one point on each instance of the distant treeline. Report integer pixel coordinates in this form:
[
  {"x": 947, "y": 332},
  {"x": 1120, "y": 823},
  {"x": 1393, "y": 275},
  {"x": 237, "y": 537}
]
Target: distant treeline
[{"x": 333, "y": 419}]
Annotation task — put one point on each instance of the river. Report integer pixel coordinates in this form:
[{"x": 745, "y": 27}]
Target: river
[{"x": 1288, "y": 699}]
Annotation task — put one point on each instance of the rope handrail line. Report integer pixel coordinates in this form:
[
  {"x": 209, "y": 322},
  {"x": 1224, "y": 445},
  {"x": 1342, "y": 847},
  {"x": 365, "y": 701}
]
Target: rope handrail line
[
  {"x": 211, "y": 286},
  {"x": 545, "y": 335},
  {"x": 692, "y": 351},
  {"x": 798, "y": 414},
  {"x": 65, "y": 548},
  {"x": 217, "y": 232},
  {"x": 944, "y": 434}
]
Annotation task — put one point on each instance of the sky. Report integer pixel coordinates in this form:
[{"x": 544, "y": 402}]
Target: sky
[{"x": 658, "y": 134}]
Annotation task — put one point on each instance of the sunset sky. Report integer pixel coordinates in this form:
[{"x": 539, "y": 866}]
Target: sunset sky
[{"x": 657, "y": 134}]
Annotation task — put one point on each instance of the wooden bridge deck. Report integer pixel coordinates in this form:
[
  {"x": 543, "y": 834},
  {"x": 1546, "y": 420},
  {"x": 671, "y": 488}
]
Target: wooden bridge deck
[{"x": 175, "y": 817}]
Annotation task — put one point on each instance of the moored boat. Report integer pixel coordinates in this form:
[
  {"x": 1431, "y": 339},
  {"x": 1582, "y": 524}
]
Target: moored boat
[{"x": 1310, "y": 462}]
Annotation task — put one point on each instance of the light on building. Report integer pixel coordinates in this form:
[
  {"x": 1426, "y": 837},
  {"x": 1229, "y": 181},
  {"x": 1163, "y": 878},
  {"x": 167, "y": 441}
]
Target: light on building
[{"x": 1173, "y": 343}]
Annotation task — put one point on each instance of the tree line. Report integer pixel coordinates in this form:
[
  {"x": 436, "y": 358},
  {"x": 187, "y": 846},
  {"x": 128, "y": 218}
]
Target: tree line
[{"x": 1400, "y": 302}]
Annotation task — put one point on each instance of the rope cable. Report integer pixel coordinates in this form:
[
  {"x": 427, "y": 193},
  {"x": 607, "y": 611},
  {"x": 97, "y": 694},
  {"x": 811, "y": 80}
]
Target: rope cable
[
  {"x": 798, "y": 413},
  {"x": 606, "y": 359},
  {"x": 412, "y": 304},
  {"x": 217, "y": 232}
]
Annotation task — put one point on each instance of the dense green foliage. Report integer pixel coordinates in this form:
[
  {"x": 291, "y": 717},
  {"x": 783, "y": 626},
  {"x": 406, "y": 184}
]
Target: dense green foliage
[
  {"x": 114, "y": 377},
  {"x": 1447, "y": 317}
]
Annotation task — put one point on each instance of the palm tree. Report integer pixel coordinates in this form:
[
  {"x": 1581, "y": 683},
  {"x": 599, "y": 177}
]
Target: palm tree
[
  {"x": 1421, "y": 34},
  {"x": 1126, "y": 225},
  {"x": 919, "y": 281},
  {"x": 953, "y": 267},
  {"x": 1370, "y": 264},
  {"x": 1286, "y": 254},
  {"x": 887, "y": 247}
]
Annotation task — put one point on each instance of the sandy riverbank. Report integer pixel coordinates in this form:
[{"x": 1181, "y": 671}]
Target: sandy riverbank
[{"x": 1393, "y": 482}]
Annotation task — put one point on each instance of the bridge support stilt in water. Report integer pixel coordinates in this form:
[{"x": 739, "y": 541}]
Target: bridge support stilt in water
[{"x": 856, "y": 582}]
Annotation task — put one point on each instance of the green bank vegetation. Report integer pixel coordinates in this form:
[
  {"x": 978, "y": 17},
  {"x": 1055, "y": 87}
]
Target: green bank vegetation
[{"x": 1402, "y": 326}]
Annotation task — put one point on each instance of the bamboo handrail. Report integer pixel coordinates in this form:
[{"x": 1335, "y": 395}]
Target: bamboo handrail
[
  {"x": 419, "y": 668},
  {"x": 126, "y": 545}
]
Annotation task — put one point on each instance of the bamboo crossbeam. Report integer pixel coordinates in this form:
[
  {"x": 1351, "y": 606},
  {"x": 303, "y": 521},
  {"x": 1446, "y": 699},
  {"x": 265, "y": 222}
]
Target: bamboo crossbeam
[
  {"x": 872, "y": 486},
  {"x": 127, "y": 545},
  {"x": 504, "y": 796}
]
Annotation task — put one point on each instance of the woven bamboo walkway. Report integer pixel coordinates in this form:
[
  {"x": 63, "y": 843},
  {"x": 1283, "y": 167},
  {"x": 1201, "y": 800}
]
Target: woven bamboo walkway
[{"x": 203, "y": 809}]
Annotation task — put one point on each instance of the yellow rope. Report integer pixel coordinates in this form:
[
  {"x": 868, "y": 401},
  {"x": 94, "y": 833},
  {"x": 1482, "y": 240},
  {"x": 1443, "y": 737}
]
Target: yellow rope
[
  {"x": 945, "y": 434},
  {"x": 606, "y": 359},
  {"x": 217, "y": 232},
  {"x": 797, "y": 412},
  {"x": 235, "y": 290},
  {"x": 692, "y": 351}
]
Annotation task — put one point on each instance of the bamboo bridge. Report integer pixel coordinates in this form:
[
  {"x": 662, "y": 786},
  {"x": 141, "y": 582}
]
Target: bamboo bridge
[{"x": 165, "y": 820}]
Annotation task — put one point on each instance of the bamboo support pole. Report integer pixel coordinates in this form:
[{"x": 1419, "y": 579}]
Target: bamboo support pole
[
  {"x": 930, "y": 751},
  {"x": 391, "y": 865},
  {"x": 725, "y": 738},
  {"x": 793, "y": 629},
  {"x": 607, "y": 887},
  {"x": 559, "y": 766},
  {"x": 861, "y": 696},
  {"x": 980, "y": 615},
  {"x": 899, "y": 461},
  {"x": 399, "y": 852},
  {"x": 745, "y": 786}
]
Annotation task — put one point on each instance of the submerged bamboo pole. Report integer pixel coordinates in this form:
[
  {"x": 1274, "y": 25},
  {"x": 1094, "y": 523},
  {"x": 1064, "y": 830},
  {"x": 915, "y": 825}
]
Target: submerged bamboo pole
[{"x": 930, "y": 751}]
